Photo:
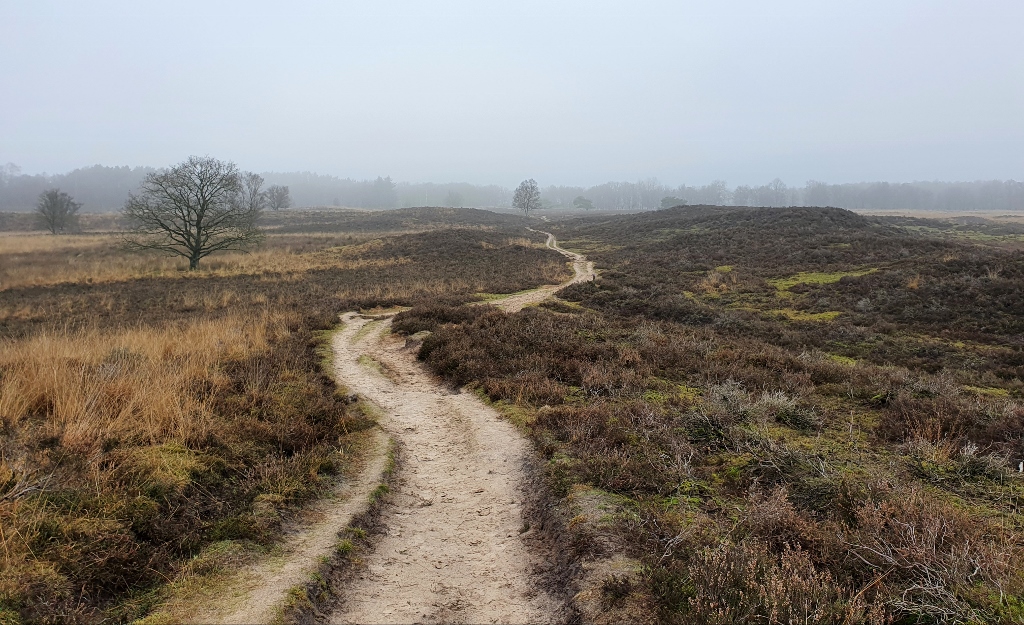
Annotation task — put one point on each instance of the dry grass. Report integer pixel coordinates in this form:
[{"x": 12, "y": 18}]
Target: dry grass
[
  {"x": 41, "y": 260},
  {"x": 148, "y": 414},
  {"x": 124, "y": 450},
  {"x": 131, "y": 385}
]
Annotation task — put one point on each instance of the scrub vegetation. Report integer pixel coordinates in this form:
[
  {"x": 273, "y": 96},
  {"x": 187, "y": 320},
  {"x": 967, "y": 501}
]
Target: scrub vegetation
[
  {"x": 152, "y": 418},
  {"x": 773, "y": 415}
]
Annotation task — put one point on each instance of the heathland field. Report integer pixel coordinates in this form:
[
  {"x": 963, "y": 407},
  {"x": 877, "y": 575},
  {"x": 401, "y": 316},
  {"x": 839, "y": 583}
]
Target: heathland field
[
  {"x": 157, "y": 423},
  {"x": 772, "y": 415},
  {"x": 784, "y": 415}
]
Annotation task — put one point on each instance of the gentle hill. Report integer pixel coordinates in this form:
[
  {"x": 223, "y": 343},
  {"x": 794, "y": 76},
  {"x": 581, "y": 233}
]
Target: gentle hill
[
  {"x": 767, "y": 411},
  {"x": 699, "y": 238},
  {"x": 394, "y": 220}
]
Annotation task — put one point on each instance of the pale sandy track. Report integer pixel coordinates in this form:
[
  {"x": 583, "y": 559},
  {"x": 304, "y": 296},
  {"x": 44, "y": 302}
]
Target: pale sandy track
[
  {"x": 255, "y": 593},
  {"x": 583, "y": 270},
  {"x": 455, "y": 549}
]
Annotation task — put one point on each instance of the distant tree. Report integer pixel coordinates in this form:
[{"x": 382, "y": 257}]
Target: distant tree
[
  {"x": 278, "y": 197},
  {"x": 9, "y": 171},
  {"x": 816, "y": 194},
  {"x": 194, "y": 209},
  {"x": 582, "y": 203},
  {"x": 715, "y": 194},
  {"x": 527, "y": 196},
  {"x": 777, "y": 193},
  {"x": 384, "y": 194},
  {"x": 670, "y": 201},
  {"x": 57, "y": 211},
  {"x": 742, "y": 195},
  {"x": 453, "y": 199}
]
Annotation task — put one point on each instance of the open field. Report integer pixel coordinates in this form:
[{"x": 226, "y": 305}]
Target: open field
[
  {"x": 156, "y": 422},
  {"x": 771, "y": 415},
  {"x": 993, "y": 215},
  {"x": 750, "y": 415}
]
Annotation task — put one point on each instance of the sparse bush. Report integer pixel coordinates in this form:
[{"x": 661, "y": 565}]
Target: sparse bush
[
  {"x": 748, "y": 583},
  {"x": 947, "y": 461},
  {"x": 939, "y": 563}
]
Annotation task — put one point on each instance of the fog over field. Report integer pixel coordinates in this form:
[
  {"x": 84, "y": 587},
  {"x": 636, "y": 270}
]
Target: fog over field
[
  {"x": 694, "y": 313},
  {"x": 573, "y": 93}
]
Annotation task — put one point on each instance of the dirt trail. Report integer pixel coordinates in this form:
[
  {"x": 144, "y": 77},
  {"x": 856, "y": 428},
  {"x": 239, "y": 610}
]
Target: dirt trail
[
  {"x": 255, "y": 593},
  {"x": 455, "y": 548},
  {"x": 583, "y": 271}
]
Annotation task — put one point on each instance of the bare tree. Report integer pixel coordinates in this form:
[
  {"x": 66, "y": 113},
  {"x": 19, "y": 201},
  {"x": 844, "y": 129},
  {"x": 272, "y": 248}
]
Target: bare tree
[
  {"x": 57, "y": 211},
  {"x": 777, "y": 191},
  {"x": 196, "y": 208},
  {"x": 7, "y": 172},
  {"x": 527, "y": 196},
  {"x": 278, "y": 197}
]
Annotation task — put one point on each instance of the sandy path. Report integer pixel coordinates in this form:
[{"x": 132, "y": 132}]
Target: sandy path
[
  {"x": 583, "y": 270},
  {"x": 455, "y": 549},
  {"x": 254, "y": 594}
]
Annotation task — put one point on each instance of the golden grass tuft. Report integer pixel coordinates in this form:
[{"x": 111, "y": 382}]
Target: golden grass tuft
[{"x": 135, "y": 384}]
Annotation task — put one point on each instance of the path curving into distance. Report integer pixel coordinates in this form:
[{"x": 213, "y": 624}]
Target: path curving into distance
[{"x": 456, "y": 548}]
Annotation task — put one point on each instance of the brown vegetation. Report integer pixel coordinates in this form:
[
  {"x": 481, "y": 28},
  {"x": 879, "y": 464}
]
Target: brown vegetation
[
  {"x": 856, "y": 467},
  {"x": 148, "y": 419}
]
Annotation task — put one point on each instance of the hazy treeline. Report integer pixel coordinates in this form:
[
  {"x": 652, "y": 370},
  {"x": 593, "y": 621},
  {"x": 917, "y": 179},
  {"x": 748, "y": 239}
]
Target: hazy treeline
[
  {"x": 101, "y": 189},
  {"x": 310, "y": 189},
  {"x": 989, "y": 195},
  {"x": 97, "y": 188}
]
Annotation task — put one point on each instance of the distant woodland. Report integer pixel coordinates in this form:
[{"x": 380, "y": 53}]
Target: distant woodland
[{"x": 104, "y": 189}]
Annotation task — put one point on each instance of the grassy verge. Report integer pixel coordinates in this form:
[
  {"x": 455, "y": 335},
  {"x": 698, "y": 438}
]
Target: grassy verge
[{"x": 318, "y": 595}]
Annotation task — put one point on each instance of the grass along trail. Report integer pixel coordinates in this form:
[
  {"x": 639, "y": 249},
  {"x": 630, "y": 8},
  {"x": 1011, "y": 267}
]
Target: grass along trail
[
  {"x": 257, "y": 591},
  {"x": 455, "y": 548},
  {"x": 583, "y": 270}
]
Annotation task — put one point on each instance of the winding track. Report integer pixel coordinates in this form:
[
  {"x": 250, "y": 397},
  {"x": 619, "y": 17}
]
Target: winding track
[{"x": 454, "y": 551}]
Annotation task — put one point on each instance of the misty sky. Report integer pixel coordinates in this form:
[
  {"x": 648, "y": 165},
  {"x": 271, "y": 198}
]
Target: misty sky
[{"x": 567, "y": 92}]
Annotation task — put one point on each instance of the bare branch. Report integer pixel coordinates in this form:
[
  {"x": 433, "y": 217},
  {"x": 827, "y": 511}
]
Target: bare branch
[{"x": 195, "y": 208}]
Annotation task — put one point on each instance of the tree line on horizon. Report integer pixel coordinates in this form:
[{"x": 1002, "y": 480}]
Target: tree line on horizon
[{"x": 105, "y": 189}]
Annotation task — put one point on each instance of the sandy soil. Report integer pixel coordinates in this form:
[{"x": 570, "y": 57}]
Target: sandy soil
[
  {"x": 457, "y": 548},
  {"x": 253, "y": 594}
]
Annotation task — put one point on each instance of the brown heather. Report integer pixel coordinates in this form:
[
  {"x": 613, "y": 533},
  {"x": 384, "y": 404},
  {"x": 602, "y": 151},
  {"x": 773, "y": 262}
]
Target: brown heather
[
  {"x": 155, "y": 422},
  {"x": 858, "y": 466}
]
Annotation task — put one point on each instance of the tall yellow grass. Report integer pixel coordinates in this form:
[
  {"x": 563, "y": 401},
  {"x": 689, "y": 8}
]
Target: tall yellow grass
[{"x": 136, "y": 385}]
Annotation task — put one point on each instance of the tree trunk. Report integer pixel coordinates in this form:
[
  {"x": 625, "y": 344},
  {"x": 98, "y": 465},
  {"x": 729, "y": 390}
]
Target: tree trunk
[{"x": 193, "y": 263}]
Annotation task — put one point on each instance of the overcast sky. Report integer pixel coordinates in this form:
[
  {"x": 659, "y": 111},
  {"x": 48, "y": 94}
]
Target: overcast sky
[{"x": 566, "y": 92}]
